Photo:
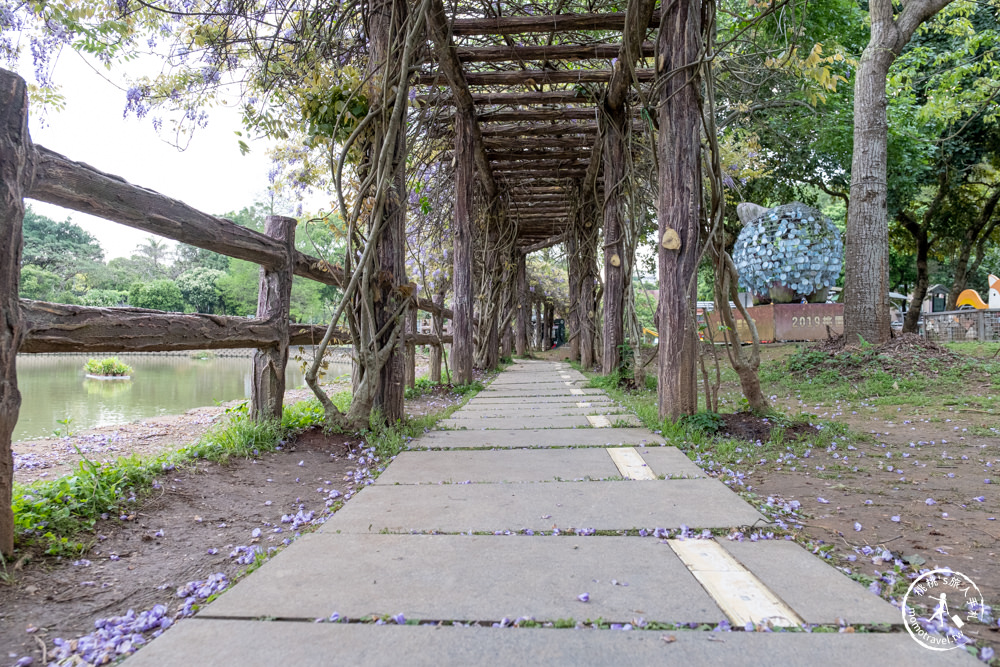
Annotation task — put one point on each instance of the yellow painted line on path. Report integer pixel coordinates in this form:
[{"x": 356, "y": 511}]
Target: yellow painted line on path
[
  {"x": 599, "y": 421},
  {"x": 630, "y": 463},
  {"x": 576, "y": 392},
  {"x": 738, "y": 592}
]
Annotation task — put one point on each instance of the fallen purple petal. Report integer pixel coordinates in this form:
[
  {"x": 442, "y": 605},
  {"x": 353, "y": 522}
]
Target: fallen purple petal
[{"x": 583, "y": 597}]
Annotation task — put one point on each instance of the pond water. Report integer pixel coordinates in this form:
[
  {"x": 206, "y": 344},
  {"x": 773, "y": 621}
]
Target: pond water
[{"x": 54, "y": 387}]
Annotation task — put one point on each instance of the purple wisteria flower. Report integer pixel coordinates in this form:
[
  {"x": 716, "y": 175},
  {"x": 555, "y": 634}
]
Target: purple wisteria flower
[{"x": 583, "y": 597}]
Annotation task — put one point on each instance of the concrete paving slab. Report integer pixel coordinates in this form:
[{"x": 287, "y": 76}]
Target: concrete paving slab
[
  {"x": 221, "y": 643},
  {"x": 474, "y": 422},
  {"x": 540, "y": 409},
  {"x": 440, "y": 577},
  {"x": 506, "y": 465},
  {"x": 555, "y": 391},
  {"x": 571, "y": 399},
  {"x": 454, "y": 508},
  {"x": 815, "y": 590},
  {"x": 511, "y": 422},
  {"x": 528, "y": 438},
  {"x": 533, "y": 379},
  {"x": 670, "y": 462}
]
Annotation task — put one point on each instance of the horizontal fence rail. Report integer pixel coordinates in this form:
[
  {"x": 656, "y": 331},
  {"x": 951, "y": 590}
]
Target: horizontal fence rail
[{"x": 80, "y": 187}]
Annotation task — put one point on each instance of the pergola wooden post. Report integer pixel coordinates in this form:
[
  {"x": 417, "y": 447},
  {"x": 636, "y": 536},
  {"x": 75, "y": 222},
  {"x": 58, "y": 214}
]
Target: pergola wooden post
[
  {"x": 462, "y": 347},
  {"x": 614, "y": 248},
  {"x": 523, "y": 307},
  {"x": 385, "y": 22},
  {"x": 588, "y": 285},
  {"x": 274, "y": 295},
  {"x": 16, "y": 173},
  {"x": 573, "y": 271},
  {"x": 678, "y": 50}
]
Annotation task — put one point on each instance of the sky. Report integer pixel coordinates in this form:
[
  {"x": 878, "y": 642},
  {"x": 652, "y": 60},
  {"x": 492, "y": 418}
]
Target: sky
[{"x": 211, "y": 175}]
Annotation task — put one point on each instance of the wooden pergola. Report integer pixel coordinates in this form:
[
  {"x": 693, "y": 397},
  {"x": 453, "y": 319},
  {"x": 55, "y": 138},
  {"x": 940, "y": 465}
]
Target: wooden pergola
[{"x": 541, "y": 110}]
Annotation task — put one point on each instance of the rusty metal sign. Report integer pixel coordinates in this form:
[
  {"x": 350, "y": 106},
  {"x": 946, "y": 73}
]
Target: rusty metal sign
[{"x": 785, "y": 322}]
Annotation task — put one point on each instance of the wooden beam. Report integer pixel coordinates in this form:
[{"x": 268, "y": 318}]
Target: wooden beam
[
  {"x": 481, "y": 99},
  {"x": 80, "y": 187},
  {"x": 558, "y": 130},
  {"x": 519, "y": 115},
  {"x": 59, "y": 327},
  {"x": 500, "y": 156},
  {"x": 497, "y": 54},
  {"x": 494, "y": 144},
  {"x": 512, "y": 25},
  {"x": 453, "y": 76},
  {"x": 546, "y": 243},
  {"x": 508, "y": 165},
  {"x": 532, "y": 77}
]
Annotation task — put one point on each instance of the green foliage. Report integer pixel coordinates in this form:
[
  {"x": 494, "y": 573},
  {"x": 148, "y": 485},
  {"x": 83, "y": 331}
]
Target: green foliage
[
  {"x": 159, "y": 295},
  {"x": 200, "y": 288},
  {"x": 706, "y": 422},
  {"x": 60, "y": 247},
  {"x": 422, "y": 385},
  {"x": 38, "y": 284},
  {"x": 110, "y": 367},
  {"x": 105, "y": 298}
]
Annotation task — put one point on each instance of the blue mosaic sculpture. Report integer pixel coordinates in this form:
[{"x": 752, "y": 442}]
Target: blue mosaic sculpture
[{"x": 789, "y": 253}]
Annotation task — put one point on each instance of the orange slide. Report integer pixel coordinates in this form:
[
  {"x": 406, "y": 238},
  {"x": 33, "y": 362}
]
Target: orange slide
[{"x": 970, "y": 297}]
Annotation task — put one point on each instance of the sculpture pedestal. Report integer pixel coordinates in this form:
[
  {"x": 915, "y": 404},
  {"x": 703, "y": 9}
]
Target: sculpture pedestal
[{"x": 785, "y": 322}]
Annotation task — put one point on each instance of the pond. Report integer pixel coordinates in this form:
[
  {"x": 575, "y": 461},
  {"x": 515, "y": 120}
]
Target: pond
[{"x": 54, "y": 388}]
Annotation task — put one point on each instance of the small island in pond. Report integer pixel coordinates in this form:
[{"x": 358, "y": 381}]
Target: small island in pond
[{"x": 107, "y": 369}]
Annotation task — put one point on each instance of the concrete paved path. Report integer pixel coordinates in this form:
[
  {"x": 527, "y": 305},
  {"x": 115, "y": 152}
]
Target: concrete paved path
[{"x": 531, "y": 507}]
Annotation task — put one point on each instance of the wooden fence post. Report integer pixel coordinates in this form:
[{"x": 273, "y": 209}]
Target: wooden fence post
[
  {"x": 15, "y": 179},
  {"x": 273, "y": 303}
]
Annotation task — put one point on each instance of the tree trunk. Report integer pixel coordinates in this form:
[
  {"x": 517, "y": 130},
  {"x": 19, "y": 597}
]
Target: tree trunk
[
  {"x": 16, "y": 173},
  {"x": 437, "y": 350},
  {"x": 866, "y": 265},
  {"x": 614, "y": 257},
  {"x": 679, "y": 44},
  {"x": 523, "y": 308},
  {"x": 462, "y": 347},
  {"x": 274, "y": 295}
]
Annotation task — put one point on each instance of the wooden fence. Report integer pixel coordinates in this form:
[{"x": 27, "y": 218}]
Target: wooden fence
[{"x": 34, "y": 172}]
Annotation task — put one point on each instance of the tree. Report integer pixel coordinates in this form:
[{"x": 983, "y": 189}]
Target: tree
[
  {"x": 159, "y": 295},
  {"x": 200, "y": 288},
  {"x": 154, "y": 254},
  {"x": 866, "y": 283},
  {"x": 59, "y": 247},
  {"x": 38, "y": 284}
]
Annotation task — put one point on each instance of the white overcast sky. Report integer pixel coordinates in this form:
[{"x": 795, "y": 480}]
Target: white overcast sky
[{"x": 210, "y": 175}]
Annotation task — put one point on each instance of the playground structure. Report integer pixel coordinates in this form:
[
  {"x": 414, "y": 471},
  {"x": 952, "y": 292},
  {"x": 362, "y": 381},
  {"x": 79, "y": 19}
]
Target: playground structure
[{"x": 970, "y": 297}]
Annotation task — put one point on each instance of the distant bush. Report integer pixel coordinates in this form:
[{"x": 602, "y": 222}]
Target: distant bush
[{"x": 108, "y": 367}]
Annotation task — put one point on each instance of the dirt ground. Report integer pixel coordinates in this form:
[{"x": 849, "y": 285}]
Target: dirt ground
[{"x": 204, "y": 525}]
